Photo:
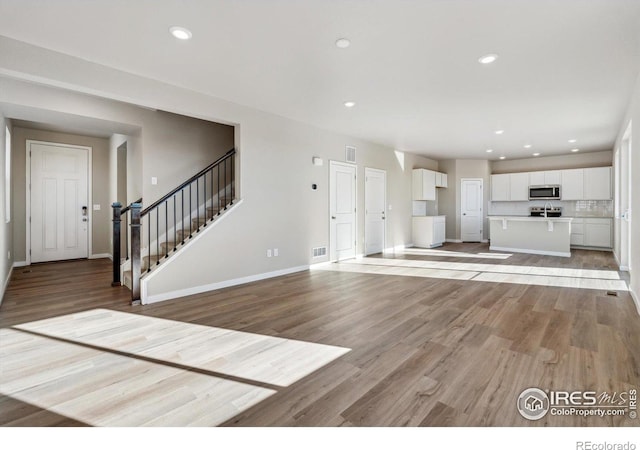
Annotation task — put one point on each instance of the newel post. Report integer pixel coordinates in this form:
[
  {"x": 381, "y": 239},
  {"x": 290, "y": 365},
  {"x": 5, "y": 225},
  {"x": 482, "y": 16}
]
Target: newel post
[
  {"x": 135, "y": 253},
  {"x": 117, "y": 207}
]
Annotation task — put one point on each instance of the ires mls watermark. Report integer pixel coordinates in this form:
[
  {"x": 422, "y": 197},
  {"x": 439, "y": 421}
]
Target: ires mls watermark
[{"x": 534, "y": 403}]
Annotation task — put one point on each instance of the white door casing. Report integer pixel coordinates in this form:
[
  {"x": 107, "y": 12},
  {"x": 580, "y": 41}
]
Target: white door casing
[
  {"x": 471, "y": 199},
  {"x": 58, "y": 181},
  {"x": 375, "y": 198},
  {"x": 342, "y": 211}
]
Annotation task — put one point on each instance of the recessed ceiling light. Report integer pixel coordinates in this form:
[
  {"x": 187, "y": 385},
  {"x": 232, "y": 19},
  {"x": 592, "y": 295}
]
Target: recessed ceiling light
[
  {"x": 180, "y": 33},
  {"x": 489, "y": 150},
  {"x": 349, "y": 104},
  {"x": 536, "y": 154},
  {"x": 572, "y": 141},
  {"x": 503, "y": 157},
  {"x": 574, "y": 150},
  {"x": 488, "y": 59},
  {"x": 499, "y": 131},
  {"x": 527, "y": 146},
  {"x": 343, "y": 43}
]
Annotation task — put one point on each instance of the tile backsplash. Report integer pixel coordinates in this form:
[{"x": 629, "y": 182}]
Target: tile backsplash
[{"x": 577, "y": 208}]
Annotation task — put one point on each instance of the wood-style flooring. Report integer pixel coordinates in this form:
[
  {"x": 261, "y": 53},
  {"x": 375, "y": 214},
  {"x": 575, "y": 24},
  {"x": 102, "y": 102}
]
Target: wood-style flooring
[{"x": 424, "y": 351}]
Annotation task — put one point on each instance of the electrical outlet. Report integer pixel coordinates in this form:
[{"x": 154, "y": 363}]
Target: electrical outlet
[
  {"x": 268, "y": 253},
  {"x": 154, "y": 180},
  {"x": 275, "y": 252},
  {"x": 96, "y": 207},
  {"x": 9, "y": 254}
]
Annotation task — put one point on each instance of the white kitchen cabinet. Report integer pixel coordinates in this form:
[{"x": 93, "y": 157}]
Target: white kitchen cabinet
[
  {"x": 428, "y": 231},
  {"x": 441, "y": 180},
  {"x": 572, "y": 187},
  {"x": 500, "y": 187},
  {"x": 577, "y": 232},
  {"x": 597, "y": 184},
  {"x": 424, "y": 184},
  {"x": 545, "y": 178},
  {"x": 519, "y": 187},
  {"x": 597, "y": 232}
]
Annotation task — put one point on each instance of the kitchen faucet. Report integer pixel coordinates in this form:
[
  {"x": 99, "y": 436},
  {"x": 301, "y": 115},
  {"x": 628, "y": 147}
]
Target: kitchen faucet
[{"x": 545, "y": 208}]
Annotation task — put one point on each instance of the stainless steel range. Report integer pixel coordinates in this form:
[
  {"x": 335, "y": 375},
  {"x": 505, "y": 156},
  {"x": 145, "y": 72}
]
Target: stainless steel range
[{"x": 551, "y": 211}]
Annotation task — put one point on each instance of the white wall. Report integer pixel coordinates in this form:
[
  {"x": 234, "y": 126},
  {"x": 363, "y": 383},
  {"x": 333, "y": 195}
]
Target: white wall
[
  {"x": 6, "y": 260},
  {"x": 279, "y": 210},
  {"x": 633, "y": 115}
]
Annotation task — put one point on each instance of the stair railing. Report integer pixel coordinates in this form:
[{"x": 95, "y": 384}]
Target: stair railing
[
  {"x": 162, "y": 225},
  {"x": 116, "y": 253}
]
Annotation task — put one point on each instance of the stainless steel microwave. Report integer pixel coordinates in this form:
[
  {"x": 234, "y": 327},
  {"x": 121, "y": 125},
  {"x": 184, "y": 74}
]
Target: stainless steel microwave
[{"x": 550, "y": 192}]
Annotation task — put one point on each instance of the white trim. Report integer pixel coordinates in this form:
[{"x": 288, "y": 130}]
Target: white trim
[
  {"x": 397, "y": 248},
  {"x": 222, "y": 284},
  {"x": 158, "y": 269},
  {"x": 455, "y": 241},
  {"x": 20, "y": 264},
  {"x": 533, "y": 252},
  {"x": 636, "y": 299},
  {"x": 624, "y": 268},
  {"x": 6, "y": 283},
  {"x": 28, "y": 192},
  {"x": 484, "y": 241},
  {"x": 101, "y": 255}
]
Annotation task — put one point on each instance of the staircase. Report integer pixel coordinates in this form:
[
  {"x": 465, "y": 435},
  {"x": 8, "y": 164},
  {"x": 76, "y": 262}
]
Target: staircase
[{"x": 154, "y": 234}]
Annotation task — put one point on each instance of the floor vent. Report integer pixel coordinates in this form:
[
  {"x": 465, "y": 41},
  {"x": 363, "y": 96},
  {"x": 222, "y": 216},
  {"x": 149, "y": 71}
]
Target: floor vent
[
  {"x": 319, "y": 251},
  {"x": 612, "y": 293}
]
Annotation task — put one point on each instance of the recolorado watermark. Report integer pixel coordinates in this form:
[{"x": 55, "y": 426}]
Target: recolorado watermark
[
  {"x": 534, "y": 404},
  {"x": 588, "y": 445}
]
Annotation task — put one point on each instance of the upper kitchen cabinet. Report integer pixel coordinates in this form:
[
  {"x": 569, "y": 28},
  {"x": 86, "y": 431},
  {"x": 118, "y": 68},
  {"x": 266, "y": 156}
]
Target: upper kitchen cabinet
[
  {"x": 545, "y": 178},
  {"x": 507, "y": 187},
  {"x": 441, "y": 180},
  {"x": 519, "y": 187},
  {"x": 425, "y": 183},
  {"x": 593, "y": 183},
  {"x": 572, "y": 184},
  {"x": 501, "y": 187},
  {"x": 597, "y": 184}
]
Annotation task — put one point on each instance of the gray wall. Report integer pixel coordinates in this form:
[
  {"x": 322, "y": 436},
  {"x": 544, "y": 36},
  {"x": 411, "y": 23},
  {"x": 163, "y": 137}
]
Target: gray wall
[
  {"x": 568, "y": 161},
  {"x": 6, "y": 259},
  {"x": 99, "y": 186}
]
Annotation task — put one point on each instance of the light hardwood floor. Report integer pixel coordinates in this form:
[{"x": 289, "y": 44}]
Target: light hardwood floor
[{"x": 424, "y": 350}]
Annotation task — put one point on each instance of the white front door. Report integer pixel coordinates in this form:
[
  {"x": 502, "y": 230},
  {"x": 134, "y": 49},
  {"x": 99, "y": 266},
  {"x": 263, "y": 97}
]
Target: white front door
[
  {"x": 58, "y": 201},
  {"x": 375, "y": 198},
  {"x": 471, "y": 198},
  {"x": 342, "y": 211}
]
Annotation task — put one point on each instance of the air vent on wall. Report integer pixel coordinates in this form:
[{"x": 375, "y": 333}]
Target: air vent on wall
[
  {"x": 350, "y": 154},
  {"x": 319, "y": 251}
]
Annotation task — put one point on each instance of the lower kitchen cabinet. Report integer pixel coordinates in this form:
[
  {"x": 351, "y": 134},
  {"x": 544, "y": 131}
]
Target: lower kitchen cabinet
[
  {"x": 592, "y": 232},
  {"x": 428, "y": 231}
]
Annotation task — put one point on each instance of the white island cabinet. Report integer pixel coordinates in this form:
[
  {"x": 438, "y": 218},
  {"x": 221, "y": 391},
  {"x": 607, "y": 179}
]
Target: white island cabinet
[
  {"x": 428, "y": 231},
  {"x": 535, "y": 235}
]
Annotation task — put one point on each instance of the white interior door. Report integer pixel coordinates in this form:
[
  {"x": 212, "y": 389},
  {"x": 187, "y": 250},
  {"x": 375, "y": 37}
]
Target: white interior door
[
  {"x": 471, "y": 198},
  {"x": 342, "y": 209},
  {"x": 375, "y": 198},
  {"x": 58, "y": 206}
]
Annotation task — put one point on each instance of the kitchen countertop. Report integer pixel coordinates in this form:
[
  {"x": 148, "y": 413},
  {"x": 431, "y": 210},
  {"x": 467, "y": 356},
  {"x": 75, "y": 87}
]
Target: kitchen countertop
[{"x": 531, "y": 218}]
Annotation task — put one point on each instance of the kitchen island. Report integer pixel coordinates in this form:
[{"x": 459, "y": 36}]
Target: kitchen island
[{"x": 535, "y": 235}]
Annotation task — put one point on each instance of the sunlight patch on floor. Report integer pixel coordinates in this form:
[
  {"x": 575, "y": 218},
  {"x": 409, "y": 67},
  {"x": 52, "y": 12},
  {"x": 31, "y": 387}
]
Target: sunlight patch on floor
[
  {"x": 111, "y": 368},
  {"x": 450, "y": 254}
]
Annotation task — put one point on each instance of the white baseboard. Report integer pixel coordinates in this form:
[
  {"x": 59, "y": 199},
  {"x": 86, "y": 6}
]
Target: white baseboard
[
  {"x": 636, "y": 300},
  {"x": 20, "y": 264},
  {"x": 455, "y": 241},
  {"x": 220, "y": 285},
  {"x": 101, "y": 255},
  {"x": 533, "y": 252},
  {"x": 5, "y": 284},
  {"x": 484, "y": 241}
]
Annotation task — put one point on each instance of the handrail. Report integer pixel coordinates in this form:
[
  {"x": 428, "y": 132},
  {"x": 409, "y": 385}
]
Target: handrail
[
  {"x": 127, "y": 208},
  {"x": 188, "y": 182}
]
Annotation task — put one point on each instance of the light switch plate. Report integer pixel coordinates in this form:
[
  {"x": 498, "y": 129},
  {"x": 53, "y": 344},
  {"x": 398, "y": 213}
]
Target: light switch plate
[{"x": 154, "y": 180}]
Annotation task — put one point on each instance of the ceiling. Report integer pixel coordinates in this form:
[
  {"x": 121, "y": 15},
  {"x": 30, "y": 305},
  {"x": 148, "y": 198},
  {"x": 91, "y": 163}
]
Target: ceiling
[{"x": 566, "y": 69}]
